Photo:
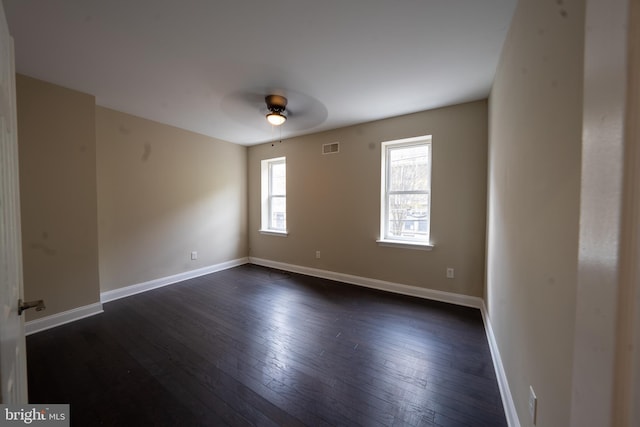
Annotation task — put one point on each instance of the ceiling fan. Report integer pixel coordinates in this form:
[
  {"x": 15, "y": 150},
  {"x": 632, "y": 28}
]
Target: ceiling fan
[
  {"x": 250, "y": 107},
  {"x": 276, "y": 104}
]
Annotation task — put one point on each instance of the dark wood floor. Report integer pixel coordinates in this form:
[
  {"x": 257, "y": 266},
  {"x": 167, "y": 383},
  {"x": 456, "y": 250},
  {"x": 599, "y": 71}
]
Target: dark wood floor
[{"x": 254, "y": 346}]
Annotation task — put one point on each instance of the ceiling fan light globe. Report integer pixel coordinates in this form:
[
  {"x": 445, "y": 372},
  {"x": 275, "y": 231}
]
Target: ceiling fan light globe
[{"x": 276, "y": 119}]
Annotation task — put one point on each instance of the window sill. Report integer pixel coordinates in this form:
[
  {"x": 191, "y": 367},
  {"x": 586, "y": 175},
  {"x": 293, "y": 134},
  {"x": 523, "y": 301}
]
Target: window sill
[
  {"x": 405, "y": 245},
  {"x": 274, "y": 233}
]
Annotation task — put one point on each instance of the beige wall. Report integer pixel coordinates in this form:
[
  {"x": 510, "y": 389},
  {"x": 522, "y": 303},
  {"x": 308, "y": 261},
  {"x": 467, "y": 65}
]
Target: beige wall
[
  {"x": 333, "y": 201},
  {"x": 162, "y": 193},
  {"x": 56, "y": 138},
  {"x": 535, "y": 126}
]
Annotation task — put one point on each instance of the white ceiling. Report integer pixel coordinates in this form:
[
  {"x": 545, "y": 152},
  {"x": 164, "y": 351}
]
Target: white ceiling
[{"x": 206, "y": 65}]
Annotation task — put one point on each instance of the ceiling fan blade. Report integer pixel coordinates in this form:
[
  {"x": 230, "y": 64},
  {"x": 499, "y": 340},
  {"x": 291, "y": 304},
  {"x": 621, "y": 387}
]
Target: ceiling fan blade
[{"x": 250, "y": 108}]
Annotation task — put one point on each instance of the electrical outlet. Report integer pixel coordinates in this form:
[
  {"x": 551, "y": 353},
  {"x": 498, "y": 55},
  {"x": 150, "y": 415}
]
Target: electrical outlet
[
  {"x": 533, "y": 405},
  {"x": 194, "y": 255},
  {"x": 450, "y": 273},
  {"x": 317, "y": 254}
]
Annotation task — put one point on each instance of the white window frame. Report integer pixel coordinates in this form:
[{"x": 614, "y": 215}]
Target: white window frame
[
  {"x": 385, "y": 238},
  {"x": 267, "y": 196}
]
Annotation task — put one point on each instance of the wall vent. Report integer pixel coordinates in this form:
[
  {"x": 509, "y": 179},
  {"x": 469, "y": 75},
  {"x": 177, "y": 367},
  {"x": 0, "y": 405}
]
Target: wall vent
[{"x": 332, "y": 148}]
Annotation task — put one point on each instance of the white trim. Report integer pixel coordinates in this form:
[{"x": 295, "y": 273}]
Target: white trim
[
  {"x": 501, "y": 375},
  {"x": 274, "y": 233},
  {"x": 266, "y": 193},
  {"x": 72, "y": 315},
  {"x": 431, "y": 294},
  {"x": 58, "y": 319},
  {"x": 62, "y": 318},
  {"x": 386, "y": 147},
  {"x": 398, "y": 288},
  {"x": 405, "y": 245},
  {"x": 126, "y": 291}
]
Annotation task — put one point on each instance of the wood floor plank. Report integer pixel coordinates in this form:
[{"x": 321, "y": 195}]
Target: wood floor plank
[{"x": 252, "y": 346}]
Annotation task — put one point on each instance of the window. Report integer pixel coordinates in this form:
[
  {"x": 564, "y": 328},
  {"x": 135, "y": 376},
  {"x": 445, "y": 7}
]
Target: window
[
  {"x": 274, "y": 196},
  {"x": 406, "y": 193}
]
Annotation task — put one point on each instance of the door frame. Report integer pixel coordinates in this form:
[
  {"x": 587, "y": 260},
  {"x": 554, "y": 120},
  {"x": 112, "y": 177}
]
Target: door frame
[{"x": 13, "y": 361}]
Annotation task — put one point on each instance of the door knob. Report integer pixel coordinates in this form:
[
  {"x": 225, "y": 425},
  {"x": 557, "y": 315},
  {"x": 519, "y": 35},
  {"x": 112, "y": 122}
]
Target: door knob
[{"x": 38, "y": 304}]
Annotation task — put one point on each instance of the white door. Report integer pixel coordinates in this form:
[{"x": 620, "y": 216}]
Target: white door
[{"x": 13, "y": 364}]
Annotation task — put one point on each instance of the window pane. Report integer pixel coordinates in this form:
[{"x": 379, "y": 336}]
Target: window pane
[
  {"x": 278, "y": 178},
  {"x": 274, "y": 192},
  {"x": 408, "y": 168},
  {"x": 408, "y": 216},
  {"x": 278, "y": 213}
]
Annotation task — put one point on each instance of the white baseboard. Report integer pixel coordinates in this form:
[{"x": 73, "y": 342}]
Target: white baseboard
[
  {"x": 449, "y": 297},
  {"x": 501, "y": 375},
  {"x": 58, "y": 319},
  {"x": 69, "y": 316},
  {"x": 169, "y": 280},
  {"x": 382, "y": 285},
  {"x": 464, "y": 300}
]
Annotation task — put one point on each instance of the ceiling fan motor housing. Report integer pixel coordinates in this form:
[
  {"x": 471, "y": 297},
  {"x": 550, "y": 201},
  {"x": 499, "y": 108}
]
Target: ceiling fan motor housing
[{"x": 276, "y": 103}]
